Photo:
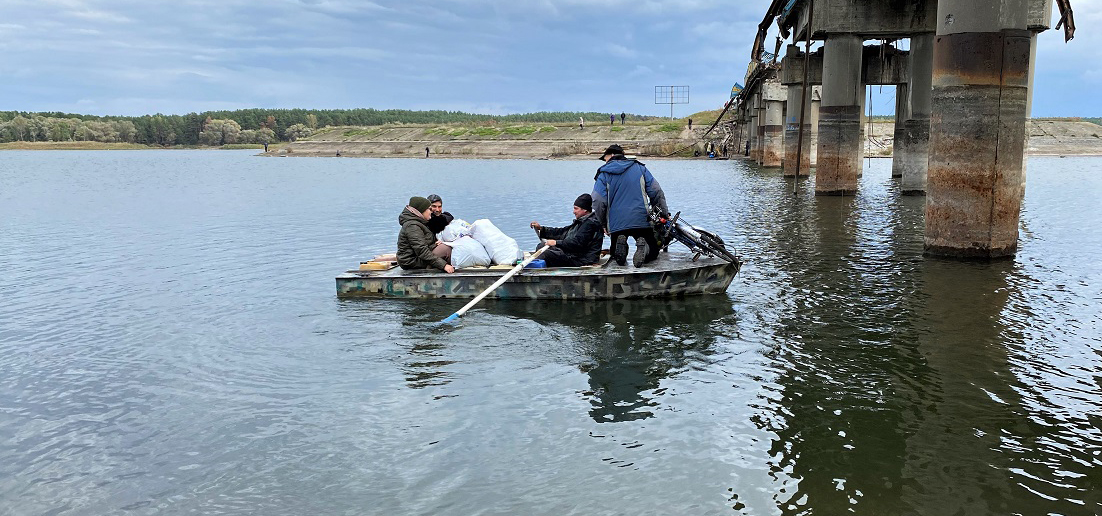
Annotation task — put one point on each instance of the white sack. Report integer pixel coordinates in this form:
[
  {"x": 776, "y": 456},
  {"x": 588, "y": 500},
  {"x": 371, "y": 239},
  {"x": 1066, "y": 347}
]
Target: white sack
[
  {"x": 501, "y": 248},
  {"x": 467, "y": 252},
  {"x": 454, "y": 230}
]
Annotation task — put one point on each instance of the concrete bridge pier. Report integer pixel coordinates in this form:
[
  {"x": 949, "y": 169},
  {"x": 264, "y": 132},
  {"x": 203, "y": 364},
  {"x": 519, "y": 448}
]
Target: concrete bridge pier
[
  {"x": 840, "y": 146},
  {"x": 982, "y": 55},
  {"x": 772, "y": 130},
  {"x": 816, "y": 100},
  {"x": 902, "y": 113},
  {"x": 744, "y": 132},
  {"x": 863, "y": 124},
  {"x": 798, "y": 97},
  {"x": 736, "y": 142},
  {"x": 761, "y": 128},
  {"x": 915, "y": 157},
  {"x": 756, "y": 116}
]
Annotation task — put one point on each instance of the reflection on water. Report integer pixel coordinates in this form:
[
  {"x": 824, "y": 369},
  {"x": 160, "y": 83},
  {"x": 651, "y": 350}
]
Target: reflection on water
[
  {"x": 170, "y": 343},
  {"x": 630, "y": 346}
]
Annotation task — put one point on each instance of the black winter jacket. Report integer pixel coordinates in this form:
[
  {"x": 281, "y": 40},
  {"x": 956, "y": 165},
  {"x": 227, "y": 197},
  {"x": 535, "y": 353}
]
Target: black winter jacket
[{"x": 582, "y": 239}]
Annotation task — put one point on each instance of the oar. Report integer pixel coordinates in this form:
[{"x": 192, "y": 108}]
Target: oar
[{"x": 496, "y": 284}]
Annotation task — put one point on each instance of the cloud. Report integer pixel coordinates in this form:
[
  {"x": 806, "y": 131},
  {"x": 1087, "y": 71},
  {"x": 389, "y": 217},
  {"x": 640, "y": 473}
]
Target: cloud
[
  {"x": 620, "y": 51},
  {"x": 484, "y": 55},
  {"x": 99, "y": 16}
]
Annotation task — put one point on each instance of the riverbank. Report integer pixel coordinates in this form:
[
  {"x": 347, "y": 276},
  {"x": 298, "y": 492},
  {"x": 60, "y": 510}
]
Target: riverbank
[
  {"x": 520, "y": 141},
  {"x": 1047, "y": 137},
  {"x": 670, "y": 138},
  {"x": 112, "y": 146},
  {"x": 1056, "y": 137}
]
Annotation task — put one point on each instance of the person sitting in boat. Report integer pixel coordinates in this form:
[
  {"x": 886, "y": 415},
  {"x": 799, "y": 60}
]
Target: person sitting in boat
[
  {"x": 577, "y": 244},
  {"x": 440, "y": 218},
  {"x": 417, "y": 246}
]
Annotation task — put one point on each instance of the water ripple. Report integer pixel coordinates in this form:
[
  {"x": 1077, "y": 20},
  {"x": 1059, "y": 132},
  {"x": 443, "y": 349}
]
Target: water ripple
[{"x": 170, "y": 342}]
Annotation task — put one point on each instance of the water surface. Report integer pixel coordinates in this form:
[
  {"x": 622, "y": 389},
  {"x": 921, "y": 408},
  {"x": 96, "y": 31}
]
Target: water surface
[{"x": 170, "y": 342}]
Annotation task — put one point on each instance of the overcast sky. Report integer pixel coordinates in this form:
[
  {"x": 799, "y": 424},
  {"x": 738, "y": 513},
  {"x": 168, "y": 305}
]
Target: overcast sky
[{"x": 126, "y": 57}]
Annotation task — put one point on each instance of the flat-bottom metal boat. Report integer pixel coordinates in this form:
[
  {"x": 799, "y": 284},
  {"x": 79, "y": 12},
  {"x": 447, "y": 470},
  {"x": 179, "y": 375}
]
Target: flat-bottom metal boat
[{"x": 669, "y": 276}]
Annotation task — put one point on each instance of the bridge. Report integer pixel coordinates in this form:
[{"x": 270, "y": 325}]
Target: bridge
[{"x": 963, "y": 97}]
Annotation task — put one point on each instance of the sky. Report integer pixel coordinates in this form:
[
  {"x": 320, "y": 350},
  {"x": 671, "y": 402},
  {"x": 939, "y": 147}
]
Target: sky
[{"x": 130, "y": 58}]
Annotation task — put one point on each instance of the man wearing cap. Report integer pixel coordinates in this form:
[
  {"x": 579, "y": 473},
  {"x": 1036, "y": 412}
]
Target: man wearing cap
[
  {"x": 577, "y": 244},
  {"x": 440, "y": 218},
  {"x": 623, "y": 193},
  {"x": 417, "y": 246}
]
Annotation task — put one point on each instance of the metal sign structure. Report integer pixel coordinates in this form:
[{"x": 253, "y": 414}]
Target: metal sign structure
[{"x": 671, "y": 95}]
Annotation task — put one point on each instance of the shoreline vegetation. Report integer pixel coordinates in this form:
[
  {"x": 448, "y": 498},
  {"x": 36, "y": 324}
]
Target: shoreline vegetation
[{"x": 449, "y": 134}]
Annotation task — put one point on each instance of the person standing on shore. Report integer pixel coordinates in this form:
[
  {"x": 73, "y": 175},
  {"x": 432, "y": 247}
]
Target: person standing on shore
[
  {"x": 426, "y": 152},
  {"x": 581, "y": 123},
  {"x": 690, "y": 124},
  {"x": 622, "y": 117},
  {"x": 623, "y": 193},
  {"x": 611, "y": 119}
]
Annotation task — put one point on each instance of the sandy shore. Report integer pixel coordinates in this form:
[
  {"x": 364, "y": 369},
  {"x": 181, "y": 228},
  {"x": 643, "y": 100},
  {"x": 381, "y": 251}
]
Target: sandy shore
[
  {"x": 531, "y": 141},
  {"x": 1046, "y": 137},
  {"x": 1057, "y": 137}
]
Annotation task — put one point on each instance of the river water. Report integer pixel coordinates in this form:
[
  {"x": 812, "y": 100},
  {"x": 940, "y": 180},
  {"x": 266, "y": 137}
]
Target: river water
[{"x": 171, "y": 343}]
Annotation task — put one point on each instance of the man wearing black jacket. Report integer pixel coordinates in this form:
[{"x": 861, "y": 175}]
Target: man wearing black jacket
[
  {"x": 577, "y": 244},
  {"x": 440, "y": 218}
]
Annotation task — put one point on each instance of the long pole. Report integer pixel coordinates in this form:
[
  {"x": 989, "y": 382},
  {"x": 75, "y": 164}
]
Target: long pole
[
  {"x": 496, "y": 284},
  {"x": 805, "y": 97}
]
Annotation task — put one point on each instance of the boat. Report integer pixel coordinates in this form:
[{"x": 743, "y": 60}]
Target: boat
[{"x": 669, "y": 276}]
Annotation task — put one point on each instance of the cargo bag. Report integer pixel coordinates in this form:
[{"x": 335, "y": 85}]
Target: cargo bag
[
  {"x": 467, "y": 252},
  {"x": 455, "y": 229},
  {"x": 501, "y": 248}
]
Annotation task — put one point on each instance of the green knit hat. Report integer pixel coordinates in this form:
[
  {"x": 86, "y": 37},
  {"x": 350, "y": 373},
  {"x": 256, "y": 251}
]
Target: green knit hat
[{"x": 419, "y": 203}]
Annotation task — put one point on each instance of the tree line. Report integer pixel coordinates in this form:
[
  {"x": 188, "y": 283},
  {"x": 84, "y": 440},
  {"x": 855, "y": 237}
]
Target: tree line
[{"x": 259, "y": 126}]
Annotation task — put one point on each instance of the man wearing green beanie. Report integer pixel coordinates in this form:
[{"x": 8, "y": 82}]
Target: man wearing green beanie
[{"x": 417, "y": 246}]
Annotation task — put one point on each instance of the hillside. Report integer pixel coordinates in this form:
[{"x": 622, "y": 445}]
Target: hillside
[
  {"x": 567, "y": 141},
  {"x": 494, "y": 140}
]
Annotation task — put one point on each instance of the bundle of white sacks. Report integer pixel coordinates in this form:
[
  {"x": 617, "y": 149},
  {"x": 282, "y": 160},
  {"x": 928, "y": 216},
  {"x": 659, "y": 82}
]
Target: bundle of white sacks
[{"x": 479, "y": 244}]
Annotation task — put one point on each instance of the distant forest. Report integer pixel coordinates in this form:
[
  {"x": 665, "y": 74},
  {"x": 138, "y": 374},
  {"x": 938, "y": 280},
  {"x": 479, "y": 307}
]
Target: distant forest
[{"x": 255, "y": 126}]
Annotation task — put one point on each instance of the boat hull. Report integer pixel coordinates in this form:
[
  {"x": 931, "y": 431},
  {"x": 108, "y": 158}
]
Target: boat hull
[{"x": 665, "y": 278}]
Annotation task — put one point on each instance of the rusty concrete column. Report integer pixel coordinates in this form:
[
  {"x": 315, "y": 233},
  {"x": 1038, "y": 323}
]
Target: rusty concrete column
[
  {"x": 739, "y": 145},
  {"x": 736, "y": 131},
  {"x": 755, "y": 127},
  {"x": 864, "y": 126},
  {"x": 916, "y": 130},
  {"x": 840, "y": 146},
  {"x": 774, "y": 94},
  {"x": 816, "y": 100},
  {"x": 798, "y": 97},
  {"x": 760, "y": 129},
  {"x": 902, "y": 113},
  {"x": 747, "y": 130},
  {"x": 977, "y": 128},
  {"x": 1029, "y": 95}
]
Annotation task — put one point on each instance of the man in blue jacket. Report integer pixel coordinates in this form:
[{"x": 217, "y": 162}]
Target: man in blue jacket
[{"x": 623, "y": 193}]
